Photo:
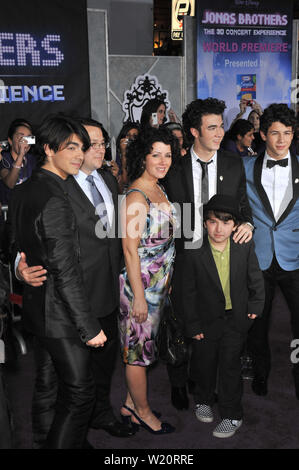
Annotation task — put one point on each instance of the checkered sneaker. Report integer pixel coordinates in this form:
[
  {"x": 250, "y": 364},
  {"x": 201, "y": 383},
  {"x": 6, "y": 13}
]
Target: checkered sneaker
[
  {"x": 227, "y": 428},
  {"x": 204, "y": 413}
]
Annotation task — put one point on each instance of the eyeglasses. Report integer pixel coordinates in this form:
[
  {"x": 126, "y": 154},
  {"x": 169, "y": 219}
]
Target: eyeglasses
[{"x": 99, "y": 146}]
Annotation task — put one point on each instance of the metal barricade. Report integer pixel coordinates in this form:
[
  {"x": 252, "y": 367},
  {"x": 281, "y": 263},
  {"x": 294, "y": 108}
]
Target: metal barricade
[{"x": 8, "y": 313}]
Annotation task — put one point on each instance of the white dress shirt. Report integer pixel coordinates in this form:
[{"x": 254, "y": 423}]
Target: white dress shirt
[
  {"x": 197, "y": 175},
  {"x": 102, "y": 187},
  {"x": 277, "y": 183}
]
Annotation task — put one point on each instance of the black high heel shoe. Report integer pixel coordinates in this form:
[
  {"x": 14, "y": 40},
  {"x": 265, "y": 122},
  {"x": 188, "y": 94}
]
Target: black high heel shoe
[
  {"x": 134, "y": 427},
  {"x": 126, "y": 419},
  {"x": 166, "y": 428},
  {"x": 128, "y": 422}
]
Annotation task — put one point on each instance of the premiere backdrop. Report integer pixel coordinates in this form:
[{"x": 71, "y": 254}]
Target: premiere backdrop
[
  {"x": 44, "y": 64},
  {"x": 244, "y": 49}
]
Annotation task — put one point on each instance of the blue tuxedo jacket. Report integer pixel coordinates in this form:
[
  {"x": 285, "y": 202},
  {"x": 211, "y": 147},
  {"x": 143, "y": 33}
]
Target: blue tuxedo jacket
[{"x": 281, "y": 236}]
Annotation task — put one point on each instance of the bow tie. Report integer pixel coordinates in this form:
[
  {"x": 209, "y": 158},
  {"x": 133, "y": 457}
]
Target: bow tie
[{"x": 272, "y": 163}]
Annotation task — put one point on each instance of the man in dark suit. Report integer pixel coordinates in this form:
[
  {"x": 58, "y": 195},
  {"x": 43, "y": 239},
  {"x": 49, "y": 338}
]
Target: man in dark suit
[
  {"x": 273, "y": 192},
  {"x": 203, "y": 172},
  {"x": 100, "y": 261},
  {"x": 223, "y": 292},
  {"x": 58, "y": 313},
  {"x": 100, "y": 253}
]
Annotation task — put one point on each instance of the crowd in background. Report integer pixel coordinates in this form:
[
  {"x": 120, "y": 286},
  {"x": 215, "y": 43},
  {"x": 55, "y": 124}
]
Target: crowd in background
[{"x": 242, "y": 138}]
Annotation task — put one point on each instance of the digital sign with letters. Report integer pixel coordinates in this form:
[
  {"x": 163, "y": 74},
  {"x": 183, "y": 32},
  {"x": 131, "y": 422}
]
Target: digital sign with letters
[{"x": 44, "y": 64}]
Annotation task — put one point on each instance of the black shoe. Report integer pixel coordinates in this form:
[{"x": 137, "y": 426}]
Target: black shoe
[
  {"x": 126, "y": 419},
  {"x": 116, "y": 429},
  {"x": 179, "y": 398},
  {"x": 259, "y": 386},
  {"x": 134, "y": 427},
  {"x": 166, "y": 428}
]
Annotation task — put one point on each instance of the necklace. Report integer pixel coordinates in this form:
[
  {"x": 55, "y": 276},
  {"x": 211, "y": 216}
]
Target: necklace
[{"x": 155, "y": 192}]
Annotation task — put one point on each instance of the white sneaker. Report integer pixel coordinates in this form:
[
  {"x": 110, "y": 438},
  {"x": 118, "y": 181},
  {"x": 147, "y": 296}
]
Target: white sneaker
[
  {"x": 227, "y": 428},
  {"x": 204, "y": 413}
]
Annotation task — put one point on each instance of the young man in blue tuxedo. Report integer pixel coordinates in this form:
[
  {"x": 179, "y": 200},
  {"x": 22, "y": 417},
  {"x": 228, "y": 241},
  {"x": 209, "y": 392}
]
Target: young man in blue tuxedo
[{"x": 273, "y": 193}]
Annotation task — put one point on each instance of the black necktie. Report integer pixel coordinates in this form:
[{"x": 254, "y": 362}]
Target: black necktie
[
  {"x": 98, "y": 202},
  {"x": 272, "y": 163},
  {"x": 204, "y": 181}
]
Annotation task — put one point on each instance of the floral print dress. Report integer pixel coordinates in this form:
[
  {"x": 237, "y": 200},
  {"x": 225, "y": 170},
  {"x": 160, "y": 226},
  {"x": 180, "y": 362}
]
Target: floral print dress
[{"x": 156, "y": 252}]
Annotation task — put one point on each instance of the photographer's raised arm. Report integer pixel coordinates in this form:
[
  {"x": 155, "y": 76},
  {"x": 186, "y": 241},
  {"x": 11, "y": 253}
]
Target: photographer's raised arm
[
  {"x": 11, "y": 176},
  {"x": 242, "y": 106}
]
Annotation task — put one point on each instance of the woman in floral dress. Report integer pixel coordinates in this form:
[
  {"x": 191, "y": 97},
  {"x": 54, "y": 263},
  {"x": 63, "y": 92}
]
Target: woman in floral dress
[{"x": 148, "y": 224}]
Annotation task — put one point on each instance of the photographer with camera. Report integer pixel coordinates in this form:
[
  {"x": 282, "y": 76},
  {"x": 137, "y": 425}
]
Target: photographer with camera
[
  {"x": 153, "y": 114},
  {"x": 17, "y": 164},
  {"x": 127, "y": 134},
  {"x": 244, "y": 104},
  {"x": 253, "y": 117}
]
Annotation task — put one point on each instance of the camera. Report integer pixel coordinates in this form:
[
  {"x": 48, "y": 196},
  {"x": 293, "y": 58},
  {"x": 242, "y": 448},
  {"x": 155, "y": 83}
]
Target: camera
[
  {"x": 30, "y": 139},
  {"x": 249, "y": 103},
  {"x": 130, "y": 140},
  {"x": 155, "y": 119},
  {"x": 4, "y": 145}
]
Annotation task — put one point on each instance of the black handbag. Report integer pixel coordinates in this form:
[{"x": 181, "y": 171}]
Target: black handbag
[{"x": 170, "y": 341}]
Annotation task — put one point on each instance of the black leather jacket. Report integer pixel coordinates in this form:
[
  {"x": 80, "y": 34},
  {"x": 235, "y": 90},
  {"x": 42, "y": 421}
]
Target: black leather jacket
[{"x": 43, "y": 226}]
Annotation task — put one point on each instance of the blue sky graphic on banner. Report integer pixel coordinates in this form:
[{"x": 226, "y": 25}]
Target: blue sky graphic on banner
[{"x": 244, "y": 49}]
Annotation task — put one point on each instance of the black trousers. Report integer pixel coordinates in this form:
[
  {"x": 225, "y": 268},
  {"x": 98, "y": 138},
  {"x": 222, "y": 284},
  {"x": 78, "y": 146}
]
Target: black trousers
[
  {"x": 67, "y": 398},
  {"x": 6, "y": 441},
  {"x": 213, "y": 359},
  {"x": 92, "y": 366},
  {"x": 258, "y": 337}
]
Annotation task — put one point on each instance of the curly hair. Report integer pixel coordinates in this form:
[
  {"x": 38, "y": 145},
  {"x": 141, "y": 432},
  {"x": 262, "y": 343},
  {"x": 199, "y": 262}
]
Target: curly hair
[
  {"x": 277, "y": 112},
  {"x": 240, "y": 127},
  {"x": 142, "y": 146},
  {"x": 192, "y": 116},
  {"x": 150, "y": 107}
]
